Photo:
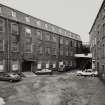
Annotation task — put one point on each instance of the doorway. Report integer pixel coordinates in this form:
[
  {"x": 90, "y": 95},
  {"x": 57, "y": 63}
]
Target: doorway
[{"x": 27, "y": 66}]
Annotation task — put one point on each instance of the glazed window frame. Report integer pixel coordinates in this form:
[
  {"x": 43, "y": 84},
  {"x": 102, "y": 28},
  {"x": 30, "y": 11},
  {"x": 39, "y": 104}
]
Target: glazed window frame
[
  {"x": 27, "y": 19},
  {"x": 61, "y": 40},
  {"x": 16, "y": 31},
  {"x": 2, "y": 25},
  {"x": 16, "y": 46},
  {"x": 47, "y": 37},
  {"x": 28, "y": 32},
  {"x": 0, "y": 9},
  {"x": 54, "y": 38},
  {"x": 47, "y": 50},
  {"x": 2, "y": 62},
  {"x": 39, "y": 36},
  {"x": 13, "y": 14},
  {"x": 66, "y": 42},
  {"x": 54, "y": 51},
  {"x": 29, "y": 46},
  {"x": 3, "y": 45},
  {"x": 40, "y": 50}
]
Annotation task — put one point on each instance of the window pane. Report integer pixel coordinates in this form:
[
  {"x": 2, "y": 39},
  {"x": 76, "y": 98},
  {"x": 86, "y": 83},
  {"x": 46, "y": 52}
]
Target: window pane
[
  {"x": 61, "y": 51},
  {"x": 1, "y": 25},
  {"x": 2, "y": 64},
  {"x": 54, "y": 38},
  {"x": 14, "y": 28},
  {"x": 47, "y": 37},
  {"x": 39, "y": 35},
  {"x": 0, "y": 10},
  {"x": 40, "y": 50},
  {"x": 28, "y": 48},
  {"x": 1, "y": 45},
  {"x": 28, "y": 40},
  {"x": 14, "y": 38},
  {"x": 66, "y": 42},
  {"x": 13, "y": 14},
  {"x": 14, "y": 47},
  {"x": 66, "y": 52},
  {"x": 27, "y": 19},
  {"x": 61, "y": 40},
  {"x": 15, "y": 65},
  {"x": 27, "y": 32},
  {"x": 47, "y": 50},
  {"x": 54, "y": 51}
]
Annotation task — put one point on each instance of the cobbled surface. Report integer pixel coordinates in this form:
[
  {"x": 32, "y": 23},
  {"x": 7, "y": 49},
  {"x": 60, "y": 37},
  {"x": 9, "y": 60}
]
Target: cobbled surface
[{"x": 57, "y": 89}]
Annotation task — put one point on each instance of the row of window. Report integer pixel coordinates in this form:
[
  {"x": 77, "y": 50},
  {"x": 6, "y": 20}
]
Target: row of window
[
  {"x": 28, "y": 37},
  {"x": 14, "y": 65},
  {"x": 48, "y": 51},
  {"x": 28, "y": 33}
]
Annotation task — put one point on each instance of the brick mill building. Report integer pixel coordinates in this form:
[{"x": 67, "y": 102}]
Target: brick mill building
[
  {"x": 97, "y": 41},
  {"x": 28, "y": 43}
]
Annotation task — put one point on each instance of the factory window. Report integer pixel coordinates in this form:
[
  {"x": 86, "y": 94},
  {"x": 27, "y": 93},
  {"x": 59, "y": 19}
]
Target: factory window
[
  {"x": 47, "y": 50},
  {"x": 1, "y": 25},
  {"x": 47, "y": 37},
  {"x": 28, "y": 40},
  {"x": 27, "y": 32},
  {"x": 71, "y": 53},
  {"x": 71, "y": 63},
  {"x": 66, "y": 42},
  {"x": 28, "y": 48},
  {"x": 40, "y": 50},
  {"x": 66, "y": 52},
  {"x": 54, "y": 38},
  {"x": 14, "y": 14},
  {"x": 54, "y": 51},
  {"x": 38, "y": 23},
  {"x": 61, "y": 51},
  {"x": 27, "y": 19},
  {"x": 2, "y": 64},
  {"x": 14, "y": 47},
  {"x": 15, "y": 65},
  {"x": 75, "y": 44},
  {"x": 14, "y": 28},
  {"x": 46, "y": 26},
  {"x": 39, "y": 35},
  {"x": 61, "y": 40},
  {"x": 71, "y": 43},
  {"x": 14, "y": 38},
  {"x": 0, "y": 10},
  {"x": 1, "y": 45},
  {"x": 103, "y": 29}
]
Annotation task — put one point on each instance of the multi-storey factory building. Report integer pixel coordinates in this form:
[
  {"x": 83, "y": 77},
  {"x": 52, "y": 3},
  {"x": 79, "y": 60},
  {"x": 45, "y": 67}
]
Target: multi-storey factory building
[
  {"x": 97, "y": 41},
  {"x": 28, "y": 43}
]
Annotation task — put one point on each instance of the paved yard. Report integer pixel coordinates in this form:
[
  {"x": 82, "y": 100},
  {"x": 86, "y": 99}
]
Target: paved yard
[{"x": 60, "y": 89}]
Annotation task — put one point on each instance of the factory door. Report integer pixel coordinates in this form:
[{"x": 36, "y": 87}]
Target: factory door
[{"x": 27, "y": 66}]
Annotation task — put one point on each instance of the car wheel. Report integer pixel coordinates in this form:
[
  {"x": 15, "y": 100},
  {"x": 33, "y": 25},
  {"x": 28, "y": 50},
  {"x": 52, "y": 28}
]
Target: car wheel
[
  {"x": 93, "y": 75},
  {"x": 11, "y": 80}
]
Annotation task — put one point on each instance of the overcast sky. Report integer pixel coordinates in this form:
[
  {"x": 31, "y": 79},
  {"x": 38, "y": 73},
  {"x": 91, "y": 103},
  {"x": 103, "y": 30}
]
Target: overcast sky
[{"x": 74, "y": 15}]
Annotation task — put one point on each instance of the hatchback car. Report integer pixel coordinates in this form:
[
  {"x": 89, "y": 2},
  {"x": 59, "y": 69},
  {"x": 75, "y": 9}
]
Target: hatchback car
[
  {"x": 87, "y": 72},
  {"x": 9, "y": 77}
]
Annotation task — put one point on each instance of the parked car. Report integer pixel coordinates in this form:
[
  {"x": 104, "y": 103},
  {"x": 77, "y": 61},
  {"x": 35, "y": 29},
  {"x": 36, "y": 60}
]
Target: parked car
[
  {"x": 9, "y": 77},
  {"x": 87, "y": 72},
  {"x": 44, "y": 71}
]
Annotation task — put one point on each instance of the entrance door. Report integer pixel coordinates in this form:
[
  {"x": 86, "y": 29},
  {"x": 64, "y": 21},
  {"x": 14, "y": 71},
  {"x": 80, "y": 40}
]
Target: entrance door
[{"x": 26, "y": 66}]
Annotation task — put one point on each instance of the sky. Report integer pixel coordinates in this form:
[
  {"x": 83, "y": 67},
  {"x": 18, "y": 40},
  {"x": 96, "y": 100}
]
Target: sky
[{"x": 74, "y": 15}]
